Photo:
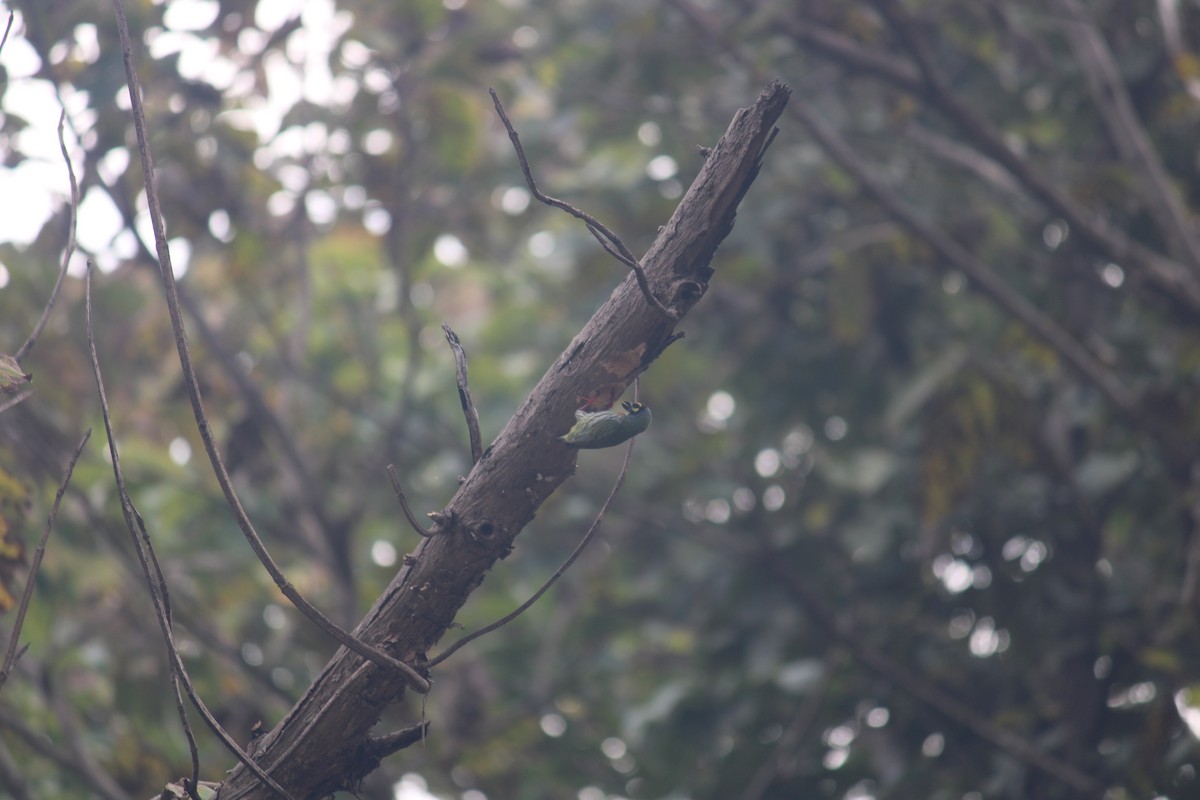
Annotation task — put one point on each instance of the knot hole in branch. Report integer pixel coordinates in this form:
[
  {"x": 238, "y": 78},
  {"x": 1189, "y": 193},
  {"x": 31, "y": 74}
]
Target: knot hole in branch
[
  {"x": 484, "y": 532},
  {"x": 689, "y": 292}
]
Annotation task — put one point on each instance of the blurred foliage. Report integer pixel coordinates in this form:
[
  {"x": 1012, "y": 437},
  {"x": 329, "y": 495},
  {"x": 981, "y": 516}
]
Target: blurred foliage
[{"x": 883, "y": 540}]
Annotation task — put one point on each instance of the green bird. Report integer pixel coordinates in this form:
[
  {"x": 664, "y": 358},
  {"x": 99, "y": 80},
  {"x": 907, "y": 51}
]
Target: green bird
[{"x": 596, "y": 429}]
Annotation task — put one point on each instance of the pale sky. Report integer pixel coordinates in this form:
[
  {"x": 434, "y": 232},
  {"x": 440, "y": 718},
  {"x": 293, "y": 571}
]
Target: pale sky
[{"x": 39, "y": 185}]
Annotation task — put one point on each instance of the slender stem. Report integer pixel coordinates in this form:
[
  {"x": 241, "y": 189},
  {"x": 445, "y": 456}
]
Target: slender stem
[
  {"x": 10, "y": 655},
  {"x": 70, "y": 249},
  {"x": 408, "y": 514}
]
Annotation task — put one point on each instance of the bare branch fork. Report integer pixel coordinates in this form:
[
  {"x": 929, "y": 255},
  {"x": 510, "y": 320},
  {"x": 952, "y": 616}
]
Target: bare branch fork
[
  {"x": 318, "y": 747},
  {"x": 364, "y": 649},
  {"x": 472, "y": 417}
]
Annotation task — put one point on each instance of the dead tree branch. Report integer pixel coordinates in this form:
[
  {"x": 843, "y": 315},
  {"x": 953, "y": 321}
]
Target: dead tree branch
[{"x": 317, "y": 748}]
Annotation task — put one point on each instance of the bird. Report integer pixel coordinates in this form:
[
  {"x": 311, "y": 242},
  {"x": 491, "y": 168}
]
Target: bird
[{"x": 594, "y": 430}]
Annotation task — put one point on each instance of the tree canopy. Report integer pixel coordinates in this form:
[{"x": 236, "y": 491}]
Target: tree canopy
[{"x": 917, "y": 515}]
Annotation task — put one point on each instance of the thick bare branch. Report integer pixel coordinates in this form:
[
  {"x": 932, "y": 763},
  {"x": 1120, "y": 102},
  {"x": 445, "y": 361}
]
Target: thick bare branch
[{"x": 314, "y": 747}]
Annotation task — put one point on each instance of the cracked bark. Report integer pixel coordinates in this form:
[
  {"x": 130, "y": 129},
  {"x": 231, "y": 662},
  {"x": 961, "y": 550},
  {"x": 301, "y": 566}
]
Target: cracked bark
[{"x": 324, "y": 743}]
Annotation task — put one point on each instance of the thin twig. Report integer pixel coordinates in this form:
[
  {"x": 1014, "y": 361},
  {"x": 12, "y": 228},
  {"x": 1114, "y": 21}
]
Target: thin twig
[
  {"x": 19, "y": 620},
  {"x": 414, "y": 679},
  {"x": 519, "y": 610},
  {"x": 154, "y": 577},
  {"x": 7, "y": 28},
  {"x": 464, "y": 393},
  {"x": 7, "y": 404},
  {"x": 309, "y": 494},
  {"x": 70, "y": 251},
  {"x": 611, "y": 243},
  {"x": 408, "y": 514}
]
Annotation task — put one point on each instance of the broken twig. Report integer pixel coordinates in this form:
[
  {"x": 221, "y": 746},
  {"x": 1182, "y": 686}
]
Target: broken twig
[{"x": 464, "y": 393}]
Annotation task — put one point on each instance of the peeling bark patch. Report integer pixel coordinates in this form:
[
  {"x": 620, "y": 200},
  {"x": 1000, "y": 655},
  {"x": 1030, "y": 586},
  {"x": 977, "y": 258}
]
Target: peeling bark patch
[
  {"x": 623, "y": 364},
  {"x": 603, "y": 398}
]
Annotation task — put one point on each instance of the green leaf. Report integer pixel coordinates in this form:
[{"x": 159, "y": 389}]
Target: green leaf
[{"x": 12, "y": 377}]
